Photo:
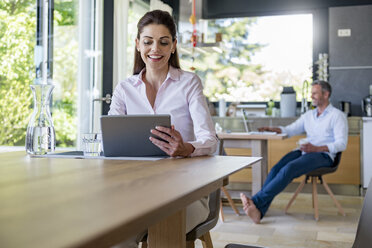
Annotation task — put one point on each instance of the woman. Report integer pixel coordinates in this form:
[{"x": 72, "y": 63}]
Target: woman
[{"x": 159, "y": 86}]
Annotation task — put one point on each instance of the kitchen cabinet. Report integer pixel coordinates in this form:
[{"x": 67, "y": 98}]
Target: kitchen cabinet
[
  {"x": 245, "y": 175},
  {"x": 348, "y": 171}
]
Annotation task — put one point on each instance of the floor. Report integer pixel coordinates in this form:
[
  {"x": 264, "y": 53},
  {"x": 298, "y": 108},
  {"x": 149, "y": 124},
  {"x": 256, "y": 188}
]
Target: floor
[{"x": 297, "y": 229}]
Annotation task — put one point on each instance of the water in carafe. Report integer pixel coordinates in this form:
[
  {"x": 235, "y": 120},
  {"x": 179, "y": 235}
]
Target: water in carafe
[{"x": 40, "y": 136}]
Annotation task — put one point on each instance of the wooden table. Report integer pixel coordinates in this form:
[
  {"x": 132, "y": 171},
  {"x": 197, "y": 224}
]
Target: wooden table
[
  {"x": 51, "y": 202},
  {"x": 258, "y": 144}
]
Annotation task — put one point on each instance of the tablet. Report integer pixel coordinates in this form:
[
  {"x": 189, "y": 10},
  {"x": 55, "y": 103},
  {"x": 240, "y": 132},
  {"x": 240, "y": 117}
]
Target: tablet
[{"x": 128, "y": 135}]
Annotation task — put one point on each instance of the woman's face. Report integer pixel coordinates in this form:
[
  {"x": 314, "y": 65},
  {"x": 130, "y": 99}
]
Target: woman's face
[{"x": 156, "y": 46}]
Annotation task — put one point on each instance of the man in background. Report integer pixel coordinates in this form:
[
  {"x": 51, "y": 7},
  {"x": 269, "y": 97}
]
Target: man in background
[{"x": 327, "y": 132}]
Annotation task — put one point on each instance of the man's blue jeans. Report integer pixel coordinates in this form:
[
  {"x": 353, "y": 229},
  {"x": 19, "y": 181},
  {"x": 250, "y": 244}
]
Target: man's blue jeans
[{"x": 291, "y": 166}]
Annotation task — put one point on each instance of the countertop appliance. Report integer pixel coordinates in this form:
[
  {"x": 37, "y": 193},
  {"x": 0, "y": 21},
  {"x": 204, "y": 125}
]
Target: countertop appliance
[
  {"x": 366, "y": 150},
  {"x": 346, "y": 107},
  {"x": 288, "y": 102},
  {"x": 367, "y": 103}
]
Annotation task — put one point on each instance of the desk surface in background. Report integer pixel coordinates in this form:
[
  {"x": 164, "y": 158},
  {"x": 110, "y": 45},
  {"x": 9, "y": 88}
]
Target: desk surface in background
[
  {"x": 50, "y": 202},
  {"x": 249, "y": 136}
]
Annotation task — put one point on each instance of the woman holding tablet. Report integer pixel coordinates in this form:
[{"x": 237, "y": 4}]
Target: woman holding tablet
[{"x": 159, "y": 86}]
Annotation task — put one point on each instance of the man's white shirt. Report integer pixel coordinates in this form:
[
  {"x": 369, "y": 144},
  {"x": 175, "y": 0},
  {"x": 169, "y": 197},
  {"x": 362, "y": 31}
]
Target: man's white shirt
[{"x": 330, "y": 129}]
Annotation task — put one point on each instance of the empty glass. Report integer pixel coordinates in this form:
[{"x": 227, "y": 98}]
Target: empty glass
[{"x": 91, "y": 144}]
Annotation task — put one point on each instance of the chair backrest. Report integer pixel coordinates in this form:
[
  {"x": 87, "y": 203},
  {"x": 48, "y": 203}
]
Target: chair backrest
[
  {"x": 211, "y": 221},
  {"x": 363, "y": 236},
  {"x": 214, "y": 204},
  {"x": 337, "y": 159},
  {"x": 202, "y": 228}
]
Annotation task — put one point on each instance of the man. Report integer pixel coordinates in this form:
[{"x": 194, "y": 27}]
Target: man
[{"x": 327, "y": 131}]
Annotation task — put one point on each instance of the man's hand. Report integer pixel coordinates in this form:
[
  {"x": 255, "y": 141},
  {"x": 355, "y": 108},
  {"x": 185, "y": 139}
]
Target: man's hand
[
  {"x": 311, "y": 148},
  {"x": 270, "y": 129}
]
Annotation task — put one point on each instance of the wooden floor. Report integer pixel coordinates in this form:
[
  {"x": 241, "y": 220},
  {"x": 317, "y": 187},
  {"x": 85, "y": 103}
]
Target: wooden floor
[{"x": 297, "y": 229}]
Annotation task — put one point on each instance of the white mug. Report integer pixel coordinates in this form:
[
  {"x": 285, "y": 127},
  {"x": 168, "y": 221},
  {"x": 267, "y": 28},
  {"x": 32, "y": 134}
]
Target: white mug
[{"x": 301, "y": 142}]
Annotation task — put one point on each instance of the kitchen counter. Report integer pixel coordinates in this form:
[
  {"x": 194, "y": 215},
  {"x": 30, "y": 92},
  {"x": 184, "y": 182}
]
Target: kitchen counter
[{"x": 236, "y": 124}]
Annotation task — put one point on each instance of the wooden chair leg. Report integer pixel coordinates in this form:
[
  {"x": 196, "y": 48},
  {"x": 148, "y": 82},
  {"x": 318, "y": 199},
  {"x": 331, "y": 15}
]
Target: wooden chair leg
[
  {"x": 206, "y": 240},
  {"x": 298, "y": 190},
  {"x": 232, "y": 204},
  {"x": 325, "y": 185},
  {"x": 221, "y": 212},
  {"x": 315, "y": 198},
  {"x": 312, "y": 194}
]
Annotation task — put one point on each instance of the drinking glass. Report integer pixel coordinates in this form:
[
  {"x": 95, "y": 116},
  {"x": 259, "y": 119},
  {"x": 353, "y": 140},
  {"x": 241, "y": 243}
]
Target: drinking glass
[{"x": 91, "y": 144}]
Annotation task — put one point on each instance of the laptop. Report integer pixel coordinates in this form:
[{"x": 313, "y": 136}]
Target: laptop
[{"x": 128, "y": 135}]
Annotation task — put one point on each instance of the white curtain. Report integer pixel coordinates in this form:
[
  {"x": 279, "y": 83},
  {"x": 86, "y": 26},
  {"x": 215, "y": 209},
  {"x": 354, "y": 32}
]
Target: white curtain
[
  {"x": 120, "y": 40},
  {"x": 89, "y": 54}
]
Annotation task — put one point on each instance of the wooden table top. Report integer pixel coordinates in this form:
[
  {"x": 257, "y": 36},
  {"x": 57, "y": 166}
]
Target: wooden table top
[
  {"x": 251, "y": 136},
  {"x": 51, "y": 202}
]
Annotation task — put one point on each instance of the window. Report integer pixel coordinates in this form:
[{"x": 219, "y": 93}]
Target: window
[
  {"x": 259, "y": 56},
  {"x": 17, "y": 42},
  {"x": 65, "y": 71},
  {"x": 77, "y": 55},
  {"x": 74, "y": 54}
]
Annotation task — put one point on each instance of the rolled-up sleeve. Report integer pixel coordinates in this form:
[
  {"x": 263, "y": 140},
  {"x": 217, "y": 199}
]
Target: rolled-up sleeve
[
  {"x": 340, "y": 132},
  {"x": 205, "y": 136}
]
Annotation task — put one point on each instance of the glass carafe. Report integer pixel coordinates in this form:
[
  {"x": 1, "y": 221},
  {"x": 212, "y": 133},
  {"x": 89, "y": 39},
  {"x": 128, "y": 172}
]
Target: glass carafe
[{"x": 40, "y": 137}]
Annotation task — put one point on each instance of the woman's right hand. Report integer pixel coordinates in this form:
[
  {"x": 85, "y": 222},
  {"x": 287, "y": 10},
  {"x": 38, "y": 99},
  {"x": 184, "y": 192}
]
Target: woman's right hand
[{"x": 270, "y": 129}]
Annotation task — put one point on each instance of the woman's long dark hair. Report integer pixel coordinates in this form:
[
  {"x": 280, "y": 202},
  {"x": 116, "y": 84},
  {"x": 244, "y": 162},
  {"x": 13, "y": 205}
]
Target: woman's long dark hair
[{"x": 156, "y": 17}]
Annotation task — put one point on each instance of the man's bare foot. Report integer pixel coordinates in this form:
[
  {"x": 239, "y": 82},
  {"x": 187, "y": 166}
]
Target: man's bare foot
[
  {"x": 245, "y": 202},
  {"x": 250, "y": 209}
]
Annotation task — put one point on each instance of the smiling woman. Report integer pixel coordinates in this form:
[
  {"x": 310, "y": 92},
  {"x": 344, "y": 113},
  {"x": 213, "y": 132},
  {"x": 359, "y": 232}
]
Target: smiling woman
[
  {"x": 159, "y": 86},
  {"x": 156, "y": 46},
  {"x": 148, "y": 28}
]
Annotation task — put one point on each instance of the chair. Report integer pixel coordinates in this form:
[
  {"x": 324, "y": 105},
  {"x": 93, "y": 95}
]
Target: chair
[
  {"x": 231, "y": 202},
  {"x": 363, "y": 236},
  {"x": 201, "y": 231},
  {"x": 318, "y": 173}
]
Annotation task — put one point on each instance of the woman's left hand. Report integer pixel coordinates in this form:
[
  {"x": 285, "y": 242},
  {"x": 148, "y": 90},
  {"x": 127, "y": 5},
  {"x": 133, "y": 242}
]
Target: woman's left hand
[{"x": 175, "y": 145}]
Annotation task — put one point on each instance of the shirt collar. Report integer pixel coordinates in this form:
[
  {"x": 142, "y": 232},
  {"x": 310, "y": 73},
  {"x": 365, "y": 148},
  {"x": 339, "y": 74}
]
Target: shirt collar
[
  {"x": 173, "y": 74},
  {"x": 325, "y": 112}
]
